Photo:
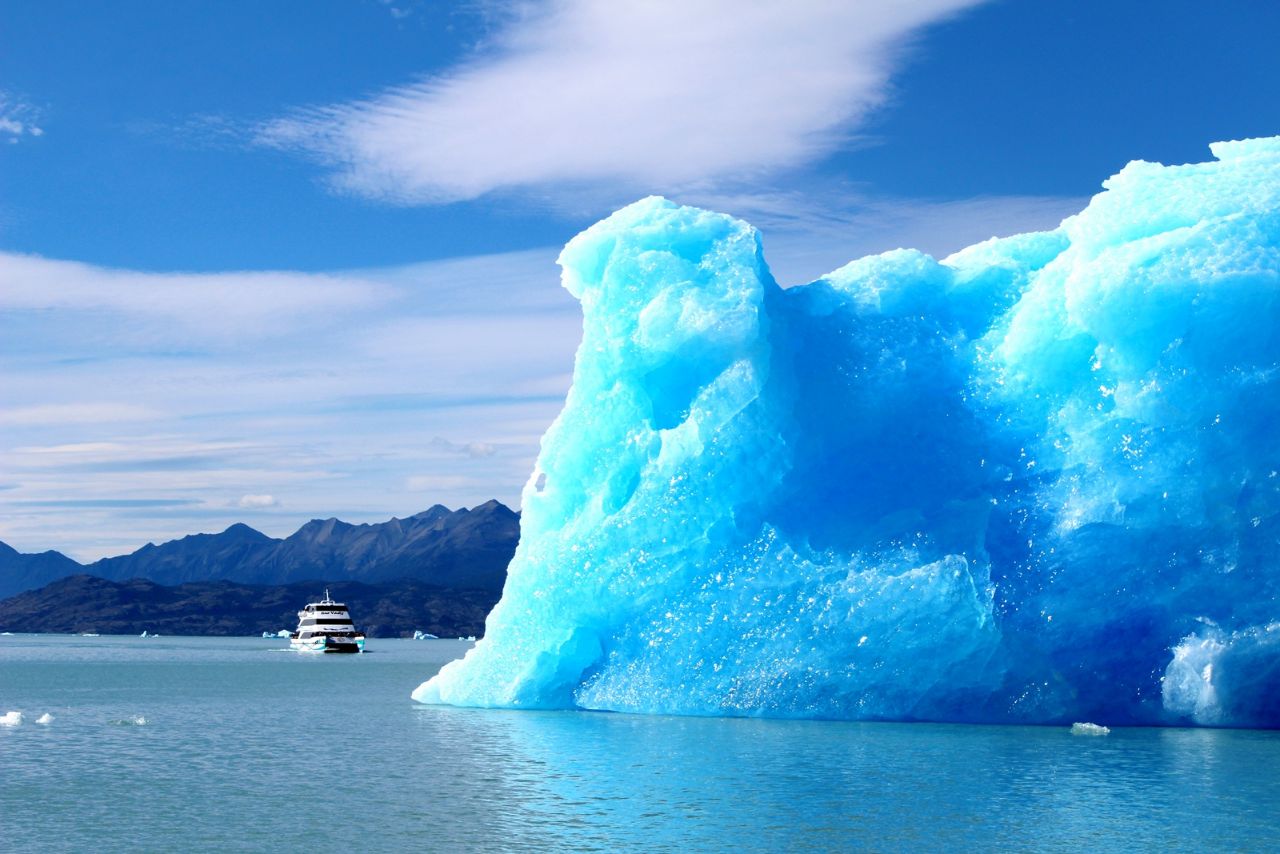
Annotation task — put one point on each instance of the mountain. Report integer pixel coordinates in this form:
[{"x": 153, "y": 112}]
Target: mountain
[
  {"x": 83, "y": 603},
  {"x": 461, "y": 548},
  {"x": 27, "y": 571}
]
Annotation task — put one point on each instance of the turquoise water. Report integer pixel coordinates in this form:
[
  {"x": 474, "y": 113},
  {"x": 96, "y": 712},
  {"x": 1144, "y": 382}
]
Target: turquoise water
[{"x": 249, "y": 747}]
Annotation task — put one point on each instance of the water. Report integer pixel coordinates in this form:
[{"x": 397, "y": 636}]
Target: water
[{"x": 249, "y": 747}]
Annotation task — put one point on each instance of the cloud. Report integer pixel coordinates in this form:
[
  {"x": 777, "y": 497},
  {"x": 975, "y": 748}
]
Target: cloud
[
  {"x": 78, "y": 413},
  {"x": 257, "y": 502},
  {"x": 646, "y": 95},
  {"x": 435, "y": 483},
  {"x": 113, "y": 502},
  {"x": 322, "y": 391},
  {"x": 212, "y": 305},
  {"x": 17, "y": 118},
  {"x": 474, "y": 450}
]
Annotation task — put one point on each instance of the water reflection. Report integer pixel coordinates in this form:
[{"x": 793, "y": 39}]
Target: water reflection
[
  {"x": 249, "y": 748},
  {"x": 601, "y": 781}
]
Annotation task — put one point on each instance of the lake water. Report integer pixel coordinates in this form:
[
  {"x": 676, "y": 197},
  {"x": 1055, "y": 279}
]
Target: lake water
[{"x": 176, "y": 744}]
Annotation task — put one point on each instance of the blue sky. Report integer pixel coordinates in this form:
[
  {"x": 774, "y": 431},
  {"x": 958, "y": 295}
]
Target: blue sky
[{"x": 273, "y": 261}]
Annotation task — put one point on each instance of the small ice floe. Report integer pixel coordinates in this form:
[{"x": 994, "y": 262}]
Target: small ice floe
[
  {"x": 469, "y": 638},
  {"x": 268, "y": 634},
  {"x": 45, "y": 719},
  {"x": 1089, "y": 729},
  {"x": 136, "y": 720},
  {"x": 144, "y": 634},
  {"x": 424, "y": 636},
  {"x": 11, "y": 719},
  {"x": 284, "y": 633}
]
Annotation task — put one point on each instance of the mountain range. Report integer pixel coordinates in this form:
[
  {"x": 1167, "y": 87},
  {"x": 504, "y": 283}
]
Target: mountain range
[{"x": 458, "y": 549}]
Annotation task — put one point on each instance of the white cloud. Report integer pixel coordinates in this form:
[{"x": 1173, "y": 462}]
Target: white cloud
[
  {"x": 17, "y": 118},
  {"x": 435, "y": 483},
  {"x": 651, "y": 95},
  {"x": 475, "y": 450},
  {"x": 218, "y": 305},
  {"x": 78, "y": 413},
  {"x": 257, "y": 502},
  {"x": 162, "y": 399}
]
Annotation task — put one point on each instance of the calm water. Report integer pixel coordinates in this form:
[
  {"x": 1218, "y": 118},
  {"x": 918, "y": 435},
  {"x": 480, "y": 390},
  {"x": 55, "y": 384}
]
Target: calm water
[{"x": 249, "y": 747}]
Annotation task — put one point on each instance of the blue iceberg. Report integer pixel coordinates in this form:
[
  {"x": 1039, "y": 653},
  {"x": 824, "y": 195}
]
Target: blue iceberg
[{"x": 1036, "y": 481}]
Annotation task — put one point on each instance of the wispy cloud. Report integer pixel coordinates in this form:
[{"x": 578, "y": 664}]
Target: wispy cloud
[
  {"x": 475, "y": 450},
  {"x": 78, "y": 413},
  {"x": 218, "y": 305},
  {"x": 173, "y": 403},
  {"x": 83, "y": 503},
  {"x": 651, "y": 96},
  {"x": 18, "y": 118}
]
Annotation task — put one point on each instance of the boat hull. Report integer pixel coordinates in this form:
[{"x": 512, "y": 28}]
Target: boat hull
[{"x": 328, "y": 645}]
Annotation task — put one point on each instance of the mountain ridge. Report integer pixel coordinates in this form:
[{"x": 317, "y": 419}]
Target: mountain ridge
[{"x": 464, "y": 548}]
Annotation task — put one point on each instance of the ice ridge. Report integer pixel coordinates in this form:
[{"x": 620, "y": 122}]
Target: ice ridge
[{"x": 1035, "y": 481}]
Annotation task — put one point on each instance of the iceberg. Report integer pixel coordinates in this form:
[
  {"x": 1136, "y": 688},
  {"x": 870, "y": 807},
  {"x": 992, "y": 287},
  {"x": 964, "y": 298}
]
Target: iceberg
[
  {"x": 11, "y": 719},
  {"x": 1037, "y": 481}
]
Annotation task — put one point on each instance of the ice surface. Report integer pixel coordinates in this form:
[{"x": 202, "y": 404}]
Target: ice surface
[
  {"x": 45, "y": 719},
  {"x": 1218, "y": 678},
  {"x": 1089, "y": 729},
  {"x": 1012, "y": 485},
  {"x": 11, "y": 719}
]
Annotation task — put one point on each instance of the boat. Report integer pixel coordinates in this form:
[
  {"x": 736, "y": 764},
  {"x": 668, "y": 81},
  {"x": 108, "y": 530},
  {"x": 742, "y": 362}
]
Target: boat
[{"x": 326, "y": 626}]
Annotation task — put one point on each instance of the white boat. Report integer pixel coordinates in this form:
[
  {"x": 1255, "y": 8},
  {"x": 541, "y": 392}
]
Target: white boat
[{"x": 326, "y": 626}]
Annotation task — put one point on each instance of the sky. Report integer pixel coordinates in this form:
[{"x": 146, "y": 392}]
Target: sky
[{"x": 269, "y": 262}]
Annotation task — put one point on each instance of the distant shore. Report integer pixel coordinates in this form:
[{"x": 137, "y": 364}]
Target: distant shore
[{"x": 84, "y": 604}]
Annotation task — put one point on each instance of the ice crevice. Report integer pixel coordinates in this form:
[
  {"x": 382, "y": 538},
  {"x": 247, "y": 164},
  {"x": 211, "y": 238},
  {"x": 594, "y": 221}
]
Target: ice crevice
[{"x": 1035, "y": 481}]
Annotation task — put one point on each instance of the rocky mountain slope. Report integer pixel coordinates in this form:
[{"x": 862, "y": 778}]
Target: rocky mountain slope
[{"x": 466, "y": 549}]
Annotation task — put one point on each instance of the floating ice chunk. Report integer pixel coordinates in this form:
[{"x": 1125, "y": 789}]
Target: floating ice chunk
[
  {"x": 417, "y": 635},
  {"x": 11, "y": 719},
  {"x": 135, "y": 720},
  {"x": 1020, "y": 473},
  {"x": 284, "y": 633},
  {"x": 45, "y": 719},
  {"x": 1089, "y": 729}
]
